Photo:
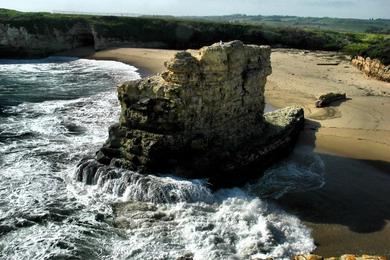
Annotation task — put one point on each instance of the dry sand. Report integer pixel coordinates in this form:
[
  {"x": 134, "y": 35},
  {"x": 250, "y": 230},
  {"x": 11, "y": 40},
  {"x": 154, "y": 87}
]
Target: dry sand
[
  {"x": 148, "y": 61},
  {"x": 351, "y": 213}
]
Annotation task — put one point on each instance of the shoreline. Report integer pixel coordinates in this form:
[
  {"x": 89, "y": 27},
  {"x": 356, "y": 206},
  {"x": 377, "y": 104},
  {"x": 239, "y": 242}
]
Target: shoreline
[
  {"x": 148, "y": 61},
  {"x": 351, "y": 213}
]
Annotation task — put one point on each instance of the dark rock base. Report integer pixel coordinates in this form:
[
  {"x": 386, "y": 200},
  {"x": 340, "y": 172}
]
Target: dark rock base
[{"x": 221, "y": 168}]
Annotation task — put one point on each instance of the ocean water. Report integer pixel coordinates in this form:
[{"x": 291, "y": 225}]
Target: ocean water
[{"x": 56, "y": 111}]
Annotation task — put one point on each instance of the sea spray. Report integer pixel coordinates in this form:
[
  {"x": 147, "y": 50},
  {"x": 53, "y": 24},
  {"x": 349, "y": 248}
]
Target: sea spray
[
  {"x": 166, "y": 217},
  {"x": 232, "y": 227},
  {"x": 53, "y": 111},
  {"x": 140, "y": 187},
  {"x": 60, "y": 114},
  {"x": 302, "y": 171}
]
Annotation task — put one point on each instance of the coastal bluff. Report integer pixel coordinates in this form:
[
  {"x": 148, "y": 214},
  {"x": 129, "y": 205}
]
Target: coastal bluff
[
  {"x": 201, "y": 118},
  {"x": 43, "y": 40},
  {"x": 35, "y": 39}
]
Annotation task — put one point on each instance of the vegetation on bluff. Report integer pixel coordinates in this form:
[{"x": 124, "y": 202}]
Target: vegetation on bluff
[
  {"x": 41, "y": 21},
  {"x": 380, "y": 26},
  {"x": 179, "y": 33}
]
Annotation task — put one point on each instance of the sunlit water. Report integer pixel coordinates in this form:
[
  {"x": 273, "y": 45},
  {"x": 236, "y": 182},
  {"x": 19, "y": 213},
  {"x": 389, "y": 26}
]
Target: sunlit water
[{"x": 54, "y": 112}]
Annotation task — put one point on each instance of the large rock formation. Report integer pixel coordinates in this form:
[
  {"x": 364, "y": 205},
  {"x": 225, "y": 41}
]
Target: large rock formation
[
  {"x": 203, "y": 117},
  {"x": 372, "y": 68}
]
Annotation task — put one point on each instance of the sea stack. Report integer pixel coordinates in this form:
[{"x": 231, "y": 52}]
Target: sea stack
[{"x": 201, "y": 118}]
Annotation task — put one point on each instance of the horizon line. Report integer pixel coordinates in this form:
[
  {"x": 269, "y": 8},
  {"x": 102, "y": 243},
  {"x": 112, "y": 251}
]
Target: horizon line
[{"x": 124, "y": 14}]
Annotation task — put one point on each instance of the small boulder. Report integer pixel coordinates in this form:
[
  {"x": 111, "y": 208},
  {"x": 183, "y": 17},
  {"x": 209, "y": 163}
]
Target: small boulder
[{"x": 325, "y": 99}]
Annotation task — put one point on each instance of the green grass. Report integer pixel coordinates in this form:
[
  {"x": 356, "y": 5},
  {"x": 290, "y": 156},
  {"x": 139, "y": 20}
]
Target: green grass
[
  {"x": 179, "y": 33},
  {"x": 39, "y": 22},
  {"x": 380, "y": 26}
]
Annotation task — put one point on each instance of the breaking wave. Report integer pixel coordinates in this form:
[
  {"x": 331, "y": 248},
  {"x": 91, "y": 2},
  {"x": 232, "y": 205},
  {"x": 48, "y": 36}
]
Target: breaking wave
[{"x": 56, "y": 111}]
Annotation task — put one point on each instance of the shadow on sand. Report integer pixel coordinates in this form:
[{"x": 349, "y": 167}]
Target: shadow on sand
[
  {"x": 356, "y": 193},
  {"x": 337, "y": 103}
]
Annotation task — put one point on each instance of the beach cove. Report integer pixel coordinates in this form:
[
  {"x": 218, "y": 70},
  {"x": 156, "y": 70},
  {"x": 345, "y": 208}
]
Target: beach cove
[{"x": 350, "y": 214}]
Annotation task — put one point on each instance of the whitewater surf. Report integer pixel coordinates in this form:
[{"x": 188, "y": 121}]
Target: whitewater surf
[{"x": 56, "y": 111}]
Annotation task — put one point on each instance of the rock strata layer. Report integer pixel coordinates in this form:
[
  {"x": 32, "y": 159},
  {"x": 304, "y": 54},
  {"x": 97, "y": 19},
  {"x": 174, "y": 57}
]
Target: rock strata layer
[
  {"x": 202, "y": 117},
  {"x": 372, "y": 68}
]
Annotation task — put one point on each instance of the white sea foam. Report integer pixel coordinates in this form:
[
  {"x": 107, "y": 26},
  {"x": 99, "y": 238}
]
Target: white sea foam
[
  {"x": 228, "y": 224},
  {"x": 44, "y": 213},
  {"x": 234, "y": 228},
  {"x": 303, "y": 171},
  {"x": 40, "y": 144}
]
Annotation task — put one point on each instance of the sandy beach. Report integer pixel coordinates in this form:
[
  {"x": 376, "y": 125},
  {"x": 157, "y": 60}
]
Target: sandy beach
[
  {"x": 351, "y": 213},
  {"x": 148, "y": 61}
]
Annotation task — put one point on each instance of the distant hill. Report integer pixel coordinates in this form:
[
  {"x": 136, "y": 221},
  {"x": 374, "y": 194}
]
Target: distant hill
[
  {"x": 63, "y": 31},
  {"x": 381, "y": 26}
]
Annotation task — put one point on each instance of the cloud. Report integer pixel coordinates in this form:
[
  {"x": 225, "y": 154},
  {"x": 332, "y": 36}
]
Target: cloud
[{"x": 335, "y": 3}]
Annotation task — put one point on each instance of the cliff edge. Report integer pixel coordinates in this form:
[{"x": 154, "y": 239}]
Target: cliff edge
[{"x": 202, "y": 118}]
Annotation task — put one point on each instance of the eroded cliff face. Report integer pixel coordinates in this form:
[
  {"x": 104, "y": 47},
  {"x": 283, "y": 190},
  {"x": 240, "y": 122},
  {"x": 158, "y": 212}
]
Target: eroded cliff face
[
  {"x": 22, "y": 42},
  {"x": 202, "y": 117},
  {"x": 373, "y": 68},
  {"x": 101, "y": 42}
]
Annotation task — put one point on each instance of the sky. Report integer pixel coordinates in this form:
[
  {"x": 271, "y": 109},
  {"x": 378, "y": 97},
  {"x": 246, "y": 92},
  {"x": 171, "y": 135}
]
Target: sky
[{"x": 314, "y": 8}]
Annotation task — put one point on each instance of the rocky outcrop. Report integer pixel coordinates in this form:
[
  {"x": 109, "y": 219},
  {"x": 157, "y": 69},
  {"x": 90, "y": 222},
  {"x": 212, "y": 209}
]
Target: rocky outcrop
[
  {"x": 343, "y": 257},
  {"x": 23, "y": 42},
  {"x": 373, "y": 68},
  {"x": 326, "y": 99},
  {"x": 202, "y": 117}
]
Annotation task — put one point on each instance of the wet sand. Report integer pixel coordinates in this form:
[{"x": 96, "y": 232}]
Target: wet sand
[{"x": 351, "y": 213}]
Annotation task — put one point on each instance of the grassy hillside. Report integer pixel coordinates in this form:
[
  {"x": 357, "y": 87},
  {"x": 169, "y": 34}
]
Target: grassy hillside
[
  {"x": 381, "y": 26},
  {"x": 39, "y": 22},
  {"x": 178, "y": 33}
]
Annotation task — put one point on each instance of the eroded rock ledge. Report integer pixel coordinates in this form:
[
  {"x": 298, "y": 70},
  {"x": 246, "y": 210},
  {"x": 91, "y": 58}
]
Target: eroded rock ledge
[
  {"x": 372, "y": 68},
  {"x": 202, "y": 117}
]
